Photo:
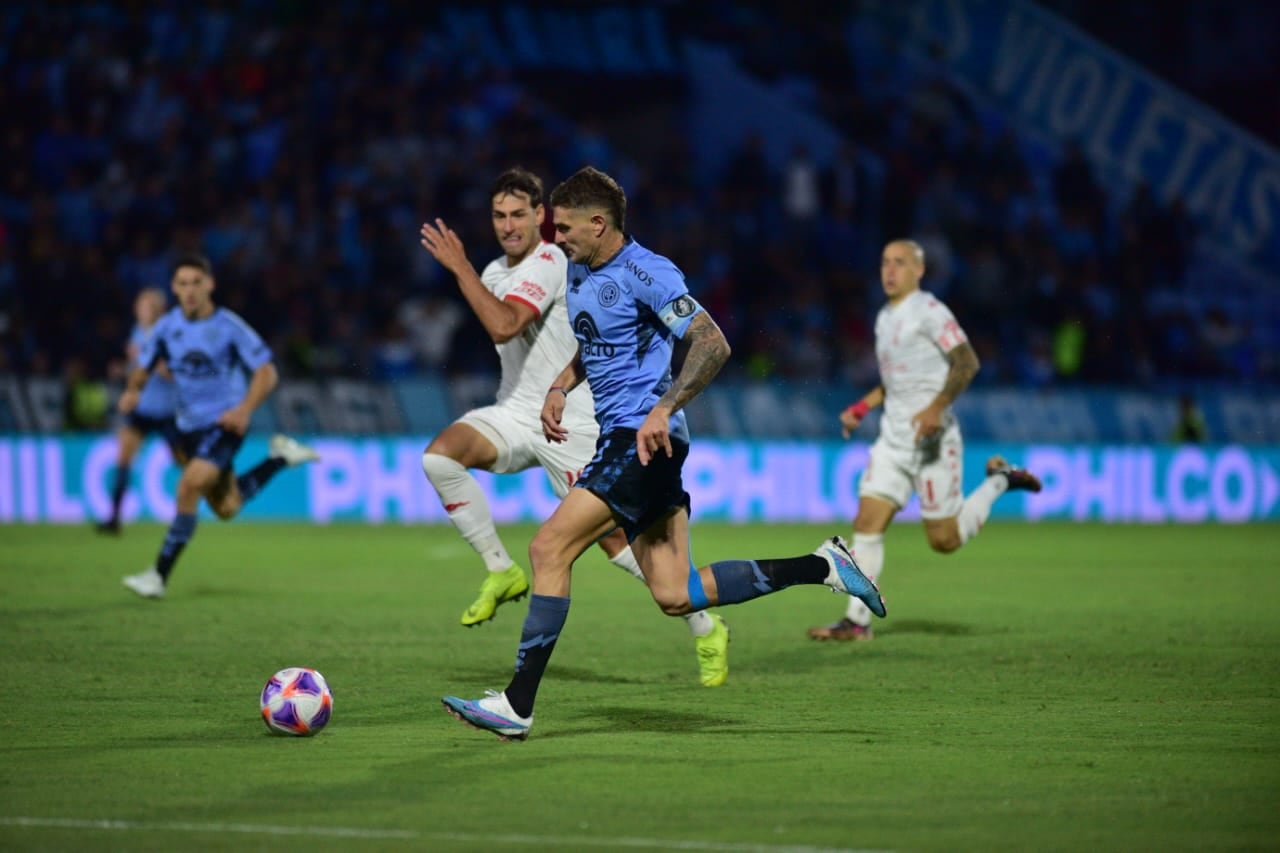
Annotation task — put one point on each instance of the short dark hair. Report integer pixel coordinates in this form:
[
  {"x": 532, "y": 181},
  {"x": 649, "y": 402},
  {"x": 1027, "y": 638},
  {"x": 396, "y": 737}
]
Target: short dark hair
[
  {"x": 590, "y": 187},
  {"x": 518, "y": 180},
  {"x": 194, "y": 260}
]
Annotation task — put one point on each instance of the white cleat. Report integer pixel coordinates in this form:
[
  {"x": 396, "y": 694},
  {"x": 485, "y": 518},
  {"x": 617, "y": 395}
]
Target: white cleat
[
  {"x": 493, "y": 714},
  {"x": 147, "y": 584},
  {"x": 292, "y": 451}
]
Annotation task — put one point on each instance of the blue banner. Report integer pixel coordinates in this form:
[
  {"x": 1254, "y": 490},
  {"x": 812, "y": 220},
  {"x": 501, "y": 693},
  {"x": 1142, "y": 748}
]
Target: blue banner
[
  {"x": 380, "y": 480},
  {"x": 1039, "y": 68}
]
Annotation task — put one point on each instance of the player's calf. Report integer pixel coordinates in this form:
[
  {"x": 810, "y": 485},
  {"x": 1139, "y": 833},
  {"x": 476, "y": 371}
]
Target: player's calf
[{"x": 671, "y": 595}]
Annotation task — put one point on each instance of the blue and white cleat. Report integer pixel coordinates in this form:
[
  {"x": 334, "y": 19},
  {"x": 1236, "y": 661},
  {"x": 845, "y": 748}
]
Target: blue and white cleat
[
  {"x": 846, "y": 577},
  {"x": 491, "y": 714}
]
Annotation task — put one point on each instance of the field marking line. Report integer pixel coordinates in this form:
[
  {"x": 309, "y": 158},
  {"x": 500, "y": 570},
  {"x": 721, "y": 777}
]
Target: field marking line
[
  {"x": 177, "y": 826},
  {"x": 409, "y": 834}
]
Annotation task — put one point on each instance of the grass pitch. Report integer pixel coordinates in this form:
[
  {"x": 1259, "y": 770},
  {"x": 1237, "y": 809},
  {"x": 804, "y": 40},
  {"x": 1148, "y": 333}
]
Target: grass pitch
[{"x": 1049, "y": 687}]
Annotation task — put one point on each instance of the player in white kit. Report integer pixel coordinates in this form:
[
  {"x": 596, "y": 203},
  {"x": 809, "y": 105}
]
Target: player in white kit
[
  {"x": 520, "y": 300},
  {"x": 926, "y": 361}
]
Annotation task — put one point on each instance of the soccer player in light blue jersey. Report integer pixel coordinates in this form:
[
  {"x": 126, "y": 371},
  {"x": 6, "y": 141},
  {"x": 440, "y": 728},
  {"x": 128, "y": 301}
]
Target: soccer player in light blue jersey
[
  {"x": 207, "y": 350},
  {"x": 520, "y": 300},
  {"x": 154, "y": 413},
  {"x": 629, "y": 307}
]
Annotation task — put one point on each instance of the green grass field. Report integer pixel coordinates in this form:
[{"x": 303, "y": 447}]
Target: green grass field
[{"x": 1049, "y": 687}]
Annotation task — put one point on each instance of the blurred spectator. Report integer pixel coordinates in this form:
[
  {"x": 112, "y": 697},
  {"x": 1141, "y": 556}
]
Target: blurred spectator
[
  {"x": 85, "y": 401},
  {"x": 301, "y": 152},
  {"x": 1190, "y": 426}
]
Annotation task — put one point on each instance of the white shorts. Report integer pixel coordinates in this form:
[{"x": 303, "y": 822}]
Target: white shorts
[
  {"x": 521, "y": 445},
  {"x": 893, "y": 473}
]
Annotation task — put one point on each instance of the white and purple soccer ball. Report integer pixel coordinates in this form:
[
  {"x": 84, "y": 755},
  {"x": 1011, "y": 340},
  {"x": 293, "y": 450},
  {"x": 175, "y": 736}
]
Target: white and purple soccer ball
[{"x": 296, "y": 701}]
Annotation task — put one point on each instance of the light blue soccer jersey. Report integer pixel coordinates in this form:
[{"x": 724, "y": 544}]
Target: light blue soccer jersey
[
  {"x": 208, "y": 359},
  {"x": 626, "y": 316},
  {"x": 157, "y": 398}
]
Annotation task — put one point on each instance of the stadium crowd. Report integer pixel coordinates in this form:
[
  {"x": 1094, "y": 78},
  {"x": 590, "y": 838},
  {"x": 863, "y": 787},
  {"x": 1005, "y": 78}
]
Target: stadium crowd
[{"x": 300, "y": 147}]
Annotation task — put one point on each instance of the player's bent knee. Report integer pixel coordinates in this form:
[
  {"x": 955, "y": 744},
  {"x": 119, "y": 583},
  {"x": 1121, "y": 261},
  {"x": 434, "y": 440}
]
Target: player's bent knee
[
  {"x": 546, "y": 551},
  {"x": 441, "y": 469},
  {"x": 945, "y": 543},
  {"x": 190, "y": 490}
]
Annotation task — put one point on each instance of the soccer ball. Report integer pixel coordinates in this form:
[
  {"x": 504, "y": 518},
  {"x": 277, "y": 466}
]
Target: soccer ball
[{"x": 296, "y": 701}]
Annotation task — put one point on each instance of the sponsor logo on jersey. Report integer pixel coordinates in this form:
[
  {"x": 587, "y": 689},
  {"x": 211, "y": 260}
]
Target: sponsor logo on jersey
[
  {"x": 196, "y": 365},
  {"x": 532, "y": 289},
  {"x": 584, "y": 326},
  {"x": 609, "y": 295},
  {"x": 641, "y": 275},
  {"x": 577, "y": 282},
  {"x": 546, "y": 256}
]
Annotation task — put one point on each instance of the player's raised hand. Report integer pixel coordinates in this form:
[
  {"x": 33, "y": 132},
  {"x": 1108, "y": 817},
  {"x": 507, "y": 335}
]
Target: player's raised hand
[
  {"x": 552, "y": 414},
  {"x": 445, "y": 246},
  {"x": 927, "y": 422},
  {"x": 234, "y": 420},
  {"x": 654, "y": 435}
]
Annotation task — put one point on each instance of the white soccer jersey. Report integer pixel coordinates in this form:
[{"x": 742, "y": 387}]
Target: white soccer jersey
[
  {"x": 532, "y": 361},
  {"x": 912, "y": 338}
]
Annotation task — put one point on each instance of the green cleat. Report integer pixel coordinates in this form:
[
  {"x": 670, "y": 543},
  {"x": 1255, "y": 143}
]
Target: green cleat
[
  {"x": 498, "y": 588},
  {"x": 713, "y": 654}
]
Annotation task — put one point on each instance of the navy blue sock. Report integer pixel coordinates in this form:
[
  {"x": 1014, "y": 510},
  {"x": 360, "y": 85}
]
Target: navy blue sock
[
  {"x": 252, "y": 482},
  {"x": 742, "y": 580},
  {"x": 537, "y": 641},
  {"x": 118, "y": 488},
  {"x": 180, "y": 533}
]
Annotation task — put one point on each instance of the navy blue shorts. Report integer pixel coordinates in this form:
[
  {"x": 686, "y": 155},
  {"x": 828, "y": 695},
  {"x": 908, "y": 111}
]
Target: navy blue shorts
[
  {"x": 166, "y": 427},
  {"x": 638, "y": 494},
  {"x": 212, "y": 444}
]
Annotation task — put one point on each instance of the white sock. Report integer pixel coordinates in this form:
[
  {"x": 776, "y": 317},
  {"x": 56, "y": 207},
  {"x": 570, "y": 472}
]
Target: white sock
[
  {"x": 468, "y": 509},
  {"x": 868, "y": 552},
  {"x": 699, "y": 623},
  {"x": 977, "y": 507}
]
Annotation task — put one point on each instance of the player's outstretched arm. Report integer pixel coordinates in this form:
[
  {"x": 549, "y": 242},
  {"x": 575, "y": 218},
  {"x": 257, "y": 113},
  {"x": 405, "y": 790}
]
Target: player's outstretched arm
[{"x": 502, "y": 319}]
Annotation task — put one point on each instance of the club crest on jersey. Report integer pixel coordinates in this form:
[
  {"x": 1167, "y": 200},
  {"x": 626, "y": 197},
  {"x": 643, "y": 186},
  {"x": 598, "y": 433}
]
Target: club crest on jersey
[
  {"x": 584, "y": 327},
  {"x": 609, "y": 295}
]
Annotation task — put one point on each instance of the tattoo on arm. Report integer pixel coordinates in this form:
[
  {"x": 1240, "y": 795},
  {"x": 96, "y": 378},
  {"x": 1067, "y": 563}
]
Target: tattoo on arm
[
  {"x": 705, "y": 352},
  {"x": 964, "y": 366}
]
